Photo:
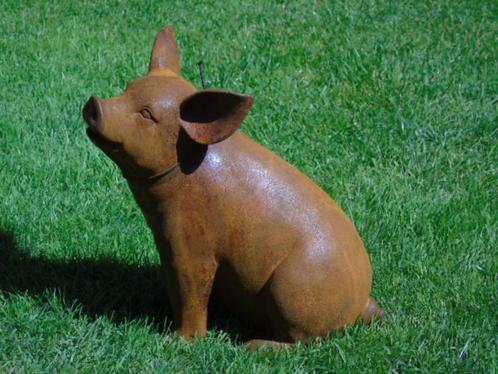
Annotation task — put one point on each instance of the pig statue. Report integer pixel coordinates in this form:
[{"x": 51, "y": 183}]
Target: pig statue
[{"x": 230, "y": 218}]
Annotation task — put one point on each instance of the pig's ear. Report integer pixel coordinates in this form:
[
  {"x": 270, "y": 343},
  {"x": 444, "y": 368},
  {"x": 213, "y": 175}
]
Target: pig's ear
[
  {"x": 165, "y": 54},
  {"x": 210, "y": 116}
]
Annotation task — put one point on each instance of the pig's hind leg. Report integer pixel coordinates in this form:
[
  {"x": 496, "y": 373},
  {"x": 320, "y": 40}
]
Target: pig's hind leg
[
  {"x": 306, "y": 299},
  {"x": 256, "y": 344}
]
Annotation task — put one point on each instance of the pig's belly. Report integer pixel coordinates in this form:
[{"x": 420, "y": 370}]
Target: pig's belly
[{"x": 244, "y": 303}]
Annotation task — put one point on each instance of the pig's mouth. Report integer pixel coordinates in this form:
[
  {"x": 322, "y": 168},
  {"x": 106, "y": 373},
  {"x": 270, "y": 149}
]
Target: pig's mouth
[
  {"x": 93, "y": 115},
  {"x": 101, "y": 141}
]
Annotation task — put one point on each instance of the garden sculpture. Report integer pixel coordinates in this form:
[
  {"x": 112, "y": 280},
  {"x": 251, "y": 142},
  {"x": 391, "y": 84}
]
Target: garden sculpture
[{"x": 229, "y": 216}]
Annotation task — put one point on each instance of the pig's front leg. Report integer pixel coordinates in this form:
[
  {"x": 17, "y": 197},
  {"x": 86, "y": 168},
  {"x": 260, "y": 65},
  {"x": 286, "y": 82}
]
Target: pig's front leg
[{"x": 189, "y": 282}]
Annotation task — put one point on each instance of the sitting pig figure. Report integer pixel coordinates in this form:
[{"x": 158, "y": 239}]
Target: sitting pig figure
[{"x": 230, "y": 217}]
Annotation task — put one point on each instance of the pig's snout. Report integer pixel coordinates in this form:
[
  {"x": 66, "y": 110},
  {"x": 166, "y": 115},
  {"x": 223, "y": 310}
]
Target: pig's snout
[{"x": 92, "y": 113}]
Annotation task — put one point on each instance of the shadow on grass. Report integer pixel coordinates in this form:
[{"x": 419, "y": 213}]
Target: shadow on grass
[{"x": 101, "y": 287}]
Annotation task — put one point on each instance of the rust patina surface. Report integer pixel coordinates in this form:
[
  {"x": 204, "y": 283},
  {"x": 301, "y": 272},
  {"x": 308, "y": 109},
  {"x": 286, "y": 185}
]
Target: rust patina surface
[{"x": 229, "y": 216}]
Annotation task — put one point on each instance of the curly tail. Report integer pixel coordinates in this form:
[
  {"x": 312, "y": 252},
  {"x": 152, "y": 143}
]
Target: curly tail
[{"x": 372, "y": 312}]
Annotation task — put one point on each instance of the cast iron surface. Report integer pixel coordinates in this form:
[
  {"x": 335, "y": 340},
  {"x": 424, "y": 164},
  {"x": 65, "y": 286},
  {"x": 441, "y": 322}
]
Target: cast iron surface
[{"x": 229, "y": 216}]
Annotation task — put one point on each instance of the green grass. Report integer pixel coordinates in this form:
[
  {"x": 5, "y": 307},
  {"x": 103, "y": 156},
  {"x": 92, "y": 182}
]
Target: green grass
[{"x": 390, "y": 106}]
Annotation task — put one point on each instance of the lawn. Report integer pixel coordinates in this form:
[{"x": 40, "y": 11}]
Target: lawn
[{"x": 390, "y": 106}]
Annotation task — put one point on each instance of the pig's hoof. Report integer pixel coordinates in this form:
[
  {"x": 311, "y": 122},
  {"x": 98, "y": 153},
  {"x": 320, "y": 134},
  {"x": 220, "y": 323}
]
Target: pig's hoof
[
  {"x": 372, "y": 312},
  {"x": 256, "y": 344}
]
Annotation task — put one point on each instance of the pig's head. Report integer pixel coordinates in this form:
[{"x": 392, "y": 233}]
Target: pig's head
[{"x": 162, "y": 115}]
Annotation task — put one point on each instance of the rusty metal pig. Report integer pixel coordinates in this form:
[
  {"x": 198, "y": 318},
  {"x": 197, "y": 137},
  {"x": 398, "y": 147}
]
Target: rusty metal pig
[{"x": 229, "y": 216}]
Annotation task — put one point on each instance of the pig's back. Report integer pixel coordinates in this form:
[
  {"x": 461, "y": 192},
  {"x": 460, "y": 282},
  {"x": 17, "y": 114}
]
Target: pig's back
[{"x": 271, "y": 211}]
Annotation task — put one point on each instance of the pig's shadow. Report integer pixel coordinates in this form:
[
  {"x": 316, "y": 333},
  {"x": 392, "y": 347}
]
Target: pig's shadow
[{"x": 101, "y": 287}]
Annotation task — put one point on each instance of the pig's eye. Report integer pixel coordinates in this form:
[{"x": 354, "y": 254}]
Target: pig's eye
[{"x": 146, "y": 113}]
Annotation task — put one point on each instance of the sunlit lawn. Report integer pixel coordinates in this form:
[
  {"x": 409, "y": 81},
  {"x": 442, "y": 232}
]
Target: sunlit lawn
[{"x": 389, "y": 106}]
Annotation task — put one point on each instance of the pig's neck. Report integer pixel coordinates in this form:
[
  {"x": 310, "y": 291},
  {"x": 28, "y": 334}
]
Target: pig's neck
[
  {"x": 158, "y": 195},
  {"x": 152, "y": 198}
]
